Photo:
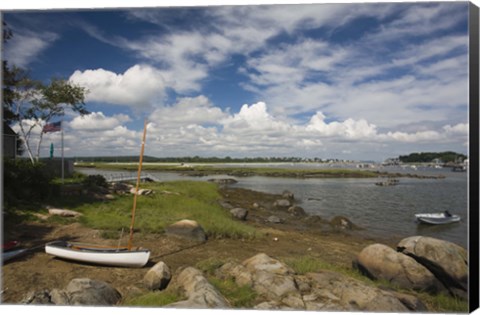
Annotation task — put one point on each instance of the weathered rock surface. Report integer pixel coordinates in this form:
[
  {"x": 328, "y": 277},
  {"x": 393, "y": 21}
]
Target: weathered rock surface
[
  {"x": 288, "y": 195},
  {"x": 191, "y": 283},
  {"x": 239, "y": 213},
  {"x": 296, "y": 211},
  {"x": 270, "y": 277},
  {"x": 141, "y": 192},
  {"x": 84, "y": 291},
  {"x": 343, "y": 223},
  {"x": 274, "y": 219},
  {"x": 379, "y": 261},
  {"x": 333, "y": 291},
  {"x": 282, "y": 203},
  {"x": 158, "y": 277},
  {"x": 446, "y": 260},
  {"x": 37, "y": 298},
  {"x": 187, "y": 229},
  {"x": 63, "y": 212}
]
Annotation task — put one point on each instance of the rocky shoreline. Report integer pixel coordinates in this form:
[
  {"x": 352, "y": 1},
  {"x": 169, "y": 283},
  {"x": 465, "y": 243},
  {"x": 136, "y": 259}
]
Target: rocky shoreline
[{"x": 259, "y": 264}]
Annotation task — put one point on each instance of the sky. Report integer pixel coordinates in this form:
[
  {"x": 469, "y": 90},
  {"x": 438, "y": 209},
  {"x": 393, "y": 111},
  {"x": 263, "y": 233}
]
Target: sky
[{"x": 355, "y": 81}]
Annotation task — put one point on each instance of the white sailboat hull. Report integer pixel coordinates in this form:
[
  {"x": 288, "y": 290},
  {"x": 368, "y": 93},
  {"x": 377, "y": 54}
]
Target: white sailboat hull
[{"x": 96, "y": 255}]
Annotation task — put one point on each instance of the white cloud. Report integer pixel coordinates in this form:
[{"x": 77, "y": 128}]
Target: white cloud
[
  {"x": 348, "y": 129},
  {"x": 97, "y": 121},
  {"x": 186, "y": 111},
  {"x": 25, "y": 47},
  {"x": 140, "y": 86}
]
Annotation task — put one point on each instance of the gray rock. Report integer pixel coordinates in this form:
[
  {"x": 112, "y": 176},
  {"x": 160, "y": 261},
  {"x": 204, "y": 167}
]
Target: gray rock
[
  {"x": 158, "y": 277},
  {"x": 342, "y": 223},
  {"x": 446, "y": 260},
  {"x": 282, "y": 203},
  {"x": 271, "y": 277},
  {"x": 225, "y": 204},
  {"x": 187, "y": 229},
  {"x": 85, "y": 291},
  {"x": 411, "y": 302},
  {"x": 379, "y": 261},
  {"x": 41, "y": 297},
  {"x": 296, "y": 211},
  {"x": 350, "y": 294},
  {"x": 288, "y": 195},
  {"x": 274, "y": 219},
  {"x": 239, "y": 213},
  {"x": 263, "y": 262},
  {"x": 238, "y": 272},
  {"x": 63, "y": 212},
  {"x": 270, "y": 305},
  {"x": 191, "y": 283},
  {"x": 59, "y": 297}
]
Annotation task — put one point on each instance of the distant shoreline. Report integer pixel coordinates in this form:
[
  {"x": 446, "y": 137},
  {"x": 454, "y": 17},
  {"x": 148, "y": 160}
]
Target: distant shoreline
[{"x": 238, "y": 171}]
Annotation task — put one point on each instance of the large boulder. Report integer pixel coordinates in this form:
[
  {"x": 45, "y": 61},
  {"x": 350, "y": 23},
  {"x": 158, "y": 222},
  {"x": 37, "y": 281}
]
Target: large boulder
[
  {"x": 271, "y": 277},
  {"x": 158, "y": 277},
  {"x": 446, "y": 260},
  {"x": 187, "y": 229},
  {"x": 84, "y": 291},
  {"x": 333, "y": 291},
  {"x": 191, "y": 283},
  {"x": 379, "y": 261}
]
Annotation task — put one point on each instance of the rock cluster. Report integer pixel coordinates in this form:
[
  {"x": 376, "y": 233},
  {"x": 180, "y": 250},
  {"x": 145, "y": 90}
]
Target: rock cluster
[
  {"x": 419, "y": 263},
  {"x": 276, "y": 285}
]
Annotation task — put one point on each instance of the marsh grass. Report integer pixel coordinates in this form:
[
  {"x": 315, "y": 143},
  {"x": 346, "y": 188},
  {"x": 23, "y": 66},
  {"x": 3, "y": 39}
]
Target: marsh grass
[
  {"x": 171, "y": 202},
  {"x": 238, "y": 171},
  {"x": 157, "y": 298}
]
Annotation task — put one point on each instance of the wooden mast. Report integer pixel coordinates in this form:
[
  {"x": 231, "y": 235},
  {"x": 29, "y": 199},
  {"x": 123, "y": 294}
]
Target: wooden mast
[{"x": 136, "y": 188}]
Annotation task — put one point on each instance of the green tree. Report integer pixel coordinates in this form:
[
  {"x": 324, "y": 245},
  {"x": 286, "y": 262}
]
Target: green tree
[{"x": 36, "y": 104}]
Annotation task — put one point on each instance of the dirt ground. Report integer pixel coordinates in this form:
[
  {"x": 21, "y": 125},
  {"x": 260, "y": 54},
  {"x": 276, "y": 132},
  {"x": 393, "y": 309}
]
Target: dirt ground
[{"x": 296, "y": 237}]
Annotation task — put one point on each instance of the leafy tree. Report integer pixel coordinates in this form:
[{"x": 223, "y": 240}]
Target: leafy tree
[{"x": 36, "y": 104}]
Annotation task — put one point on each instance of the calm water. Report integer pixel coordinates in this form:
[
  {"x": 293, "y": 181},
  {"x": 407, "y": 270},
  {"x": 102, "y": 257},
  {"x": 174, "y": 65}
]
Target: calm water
[{"x": 383, "y": 211}]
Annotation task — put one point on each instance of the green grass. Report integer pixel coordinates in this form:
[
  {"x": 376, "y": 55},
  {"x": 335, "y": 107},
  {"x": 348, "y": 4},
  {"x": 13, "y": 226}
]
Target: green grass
[
  {"x": 186, "y": 200},
  {"x": 157, "y": 298},
  {"x": 238, "y": 296},
  {"x": 444, "y": 303}
]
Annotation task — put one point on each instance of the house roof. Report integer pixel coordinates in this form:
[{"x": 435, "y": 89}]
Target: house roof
[{"x": 7, "y": 130}]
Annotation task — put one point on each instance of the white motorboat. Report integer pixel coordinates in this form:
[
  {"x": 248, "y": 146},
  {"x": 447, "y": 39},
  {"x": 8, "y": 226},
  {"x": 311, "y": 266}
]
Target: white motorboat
[{"x": 437, "y": 218}]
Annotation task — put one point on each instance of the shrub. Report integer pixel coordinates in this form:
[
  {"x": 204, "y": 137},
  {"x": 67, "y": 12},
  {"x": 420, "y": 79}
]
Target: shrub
[
  {"x": 24, "y": 181},
  {"x": 92, "y": 182}
]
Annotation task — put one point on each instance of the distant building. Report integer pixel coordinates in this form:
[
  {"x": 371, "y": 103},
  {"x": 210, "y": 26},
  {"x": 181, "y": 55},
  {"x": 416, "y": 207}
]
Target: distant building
[{"x": 10, "y": 140}]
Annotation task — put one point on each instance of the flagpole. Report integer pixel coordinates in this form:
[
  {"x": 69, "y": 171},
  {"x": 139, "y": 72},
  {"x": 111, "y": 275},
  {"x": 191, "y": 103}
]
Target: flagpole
[{"x": 63, "y": 163}]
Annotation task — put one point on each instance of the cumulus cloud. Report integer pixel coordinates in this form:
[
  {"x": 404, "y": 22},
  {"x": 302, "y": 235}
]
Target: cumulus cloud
[
  {"x": 186, "y": 111},
  {"x": 349, "y": 129},
  {"x": 139, "y": 86},
  {"x": 97, "y": 121}
]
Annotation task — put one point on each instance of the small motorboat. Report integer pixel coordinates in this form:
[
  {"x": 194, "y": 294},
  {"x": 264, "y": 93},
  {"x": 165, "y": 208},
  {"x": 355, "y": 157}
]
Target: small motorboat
[{"x": 437, "y": 218}]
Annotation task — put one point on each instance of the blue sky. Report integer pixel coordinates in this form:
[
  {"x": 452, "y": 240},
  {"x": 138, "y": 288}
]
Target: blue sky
[{"x": 351, "y": 81}]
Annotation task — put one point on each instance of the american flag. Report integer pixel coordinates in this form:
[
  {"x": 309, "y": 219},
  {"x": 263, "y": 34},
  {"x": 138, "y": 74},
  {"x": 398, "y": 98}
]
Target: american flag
[{"x": 52, "y": 127}]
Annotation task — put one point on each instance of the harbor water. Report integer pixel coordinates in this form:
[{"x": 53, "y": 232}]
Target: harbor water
[{"x": 383, "y": 211}]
